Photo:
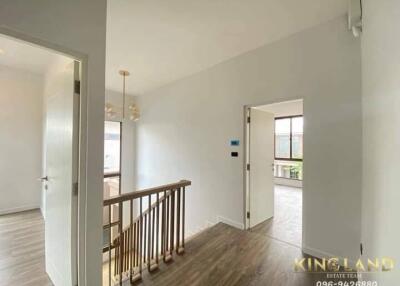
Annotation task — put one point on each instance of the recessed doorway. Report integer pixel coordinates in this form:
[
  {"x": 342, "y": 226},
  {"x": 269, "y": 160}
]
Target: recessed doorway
[
  {"x": 41, "y": 148},
  {"x": 274, "y": 170}
]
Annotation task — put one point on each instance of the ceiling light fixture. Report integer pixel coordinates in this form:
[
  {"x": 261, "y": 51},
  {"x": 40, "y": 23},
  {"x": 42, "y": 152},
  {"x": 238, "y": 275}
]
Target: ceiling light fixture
[{"x": 134, "y": 113}]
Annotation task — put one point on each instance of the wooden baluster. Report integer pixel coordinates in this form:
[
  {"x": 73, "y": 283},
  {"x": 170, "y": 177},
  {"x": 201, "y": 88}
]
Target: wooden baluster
[
  {"x": 129, "y": 251},
  {"x": 121, "y": 248},
  {"x": 116, "y": 252},
  {"x": 149, "y": 233},
  {"x": 178, "y": 221},
  {"x": 171, "y": 249},
  {"x": 135, "y": 248},
  {"x": 140, "y": 236},
  {"x": 158, "y": 226},
  {"x": 126, "y": 239},
  {"x": 166, "y": 255},
  {"x": 123, "y": 256},
  {"x": 137, "y": 242},
  {"x": 135, "y": 253},
  {"x": 131, "y": 240},
  {"x": 145, "y": 238},
  {"x": 183, "y": 219},
  {"x": 126, "y": 253},
  {"x": 163, "y": 225},
  {"x": 109, "y": 245},
  {"x": 125, "y": 250},
  {"x": 134, "y": 244},
  {"x": 153, "y": 217}
]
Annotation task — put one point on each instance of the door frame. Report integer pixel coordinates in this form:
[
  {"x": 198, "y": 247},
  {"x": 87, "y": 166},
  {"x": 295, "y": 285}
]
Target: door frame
[
  {"x": 246, "y": 159},
  {"x": 81, "y": 113}
]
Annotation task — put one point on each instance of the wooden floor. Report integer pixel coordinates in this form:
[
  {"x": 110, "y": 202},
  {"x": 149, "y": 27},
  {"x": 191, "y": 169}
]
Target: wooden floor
[
  {"x": 22, "y": 250},
  {"x": 223, "y": 255},
  {"x": 286, "y": 225}
]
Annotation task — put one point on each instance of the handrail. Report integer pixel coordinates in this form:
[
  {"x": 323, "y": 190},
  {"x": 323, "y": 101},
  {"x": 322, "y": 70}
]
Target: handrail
[{"x": 146, "y": 192}]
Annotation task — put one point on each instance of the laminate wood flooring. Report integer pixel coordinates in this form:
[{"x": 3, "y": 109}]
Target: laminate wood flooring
[
  {"x": 223, "y": 255},
  {"x": 22, "y": 250},
  {"x": 286, "y": 225}
]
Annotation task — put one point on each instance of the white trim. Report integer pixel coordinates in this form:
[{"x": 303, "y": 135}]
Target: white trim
[
  {"x": 322, "y": 254},
  {"x": 19, "y": 209},
  {"x": 230, "y": 222},
  {"x": 57, "y": 274},
  {"x": 246, "y": 173},
  {"x": 192, "y": 233},
  {"x": 82, "y": 192},
  {"x": 246, "y": 152}
]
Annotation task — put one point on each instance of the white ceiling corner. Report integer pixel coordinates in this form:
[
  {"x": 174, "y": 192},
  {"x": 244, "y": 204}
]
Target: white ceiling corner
[{"x": 161, "y": 41}]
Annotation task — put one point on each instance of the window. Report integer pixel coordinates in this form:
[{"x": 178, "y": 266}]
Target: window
[
  {"x": 112, "y": 176},
  {"x": 289, "y": 138},
  {"x": 282, "y": 138},
  {"x": 112, "y": 144},
  {"x": 289, "y": 170},
  {"x": 289, "y": 147}
]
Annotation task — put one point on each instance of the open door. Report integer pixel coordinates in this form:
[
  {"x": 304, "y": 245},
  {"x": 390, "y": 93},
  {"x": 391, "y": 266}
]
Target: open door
[
  {"x": 260, "y": 169},
  {"x": 62, "y": 123}
]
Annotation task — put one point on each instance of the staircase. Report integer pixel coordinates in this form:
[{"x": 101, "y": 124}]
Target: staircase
[{"x": 149, "y": 228}]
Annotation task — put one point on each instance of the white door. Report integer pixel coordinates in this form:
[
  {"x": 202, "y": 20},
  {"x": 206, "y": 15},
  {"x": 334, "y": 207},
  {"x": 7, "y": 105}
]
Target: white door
[
  {"x": 62, "y": 117},
  {"x": 261, "y": 159}
]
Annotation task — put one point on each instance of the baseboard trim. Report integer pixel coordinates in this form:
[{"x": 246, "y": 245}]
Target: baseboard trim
[
  {"x": 191, "y": 234},
  {"x": 19, "y": 209},
  {"x": 55, "y": 276},
  {"x": 322, "y": 254},
  {"x": 317, "y": 253},
  {"x": 230, "y": 222},
  {"x": 208, "y": 224}
]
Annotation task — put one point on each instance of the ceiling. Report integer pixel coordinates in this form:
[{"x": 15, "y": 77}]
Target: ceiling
[
  {"x": 23, "y": 56},
  {"x": 286, "y": 108},
  {"x": 160, "y": 41}
]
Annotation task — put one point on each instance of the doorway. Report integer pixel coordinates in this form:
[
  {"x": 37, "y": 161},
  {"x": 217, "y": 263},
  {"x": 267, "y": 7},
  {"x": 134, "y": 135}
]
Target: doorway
[
  {"x": 274, "y": 170},
  {"x": 40, "y": 134}
]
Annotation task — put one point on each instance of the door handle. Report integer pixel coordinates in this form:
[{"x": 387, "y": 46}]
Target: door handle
[{"x": 44, "y": 179}]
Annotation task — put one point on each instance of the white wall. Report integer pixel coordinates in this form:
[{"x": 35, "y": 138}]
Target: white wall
[
  {"x": 21, "y": 97},
  {"x": 381, "y": 136},
  {"x": 78, "y": 27},
  {"x": 185, "y": 129}
]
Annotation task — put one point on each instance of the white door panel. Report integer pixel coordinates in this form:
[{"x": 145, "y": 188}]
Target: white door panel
[
  {"x": 261, "y": 159},
  {"x": 61, "y": 168}
]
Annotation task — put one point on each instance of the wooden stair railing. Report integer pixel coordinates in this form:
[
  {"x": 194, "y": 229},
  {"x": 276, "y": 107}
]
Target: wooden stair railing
[{"x": 152, "y": 235}]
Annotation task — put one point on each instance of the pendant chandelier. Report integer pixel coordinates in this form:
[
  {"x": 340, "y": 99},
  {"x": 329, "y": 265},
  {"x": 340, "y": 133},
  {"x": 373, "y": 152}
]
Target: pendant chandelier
[
  {"x": 133, "y": 110},
  {"x": 113, "y": 112}
]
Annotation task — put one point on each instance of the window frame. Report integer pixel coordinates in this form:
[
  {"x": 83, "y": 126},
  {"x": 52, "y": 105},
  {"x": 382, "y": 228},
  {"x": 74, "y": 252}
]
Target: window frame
[
  {"x": 290, "y": 138},
  {"x": 116, "y": 174},
  {"x": 109, "y": 226}
]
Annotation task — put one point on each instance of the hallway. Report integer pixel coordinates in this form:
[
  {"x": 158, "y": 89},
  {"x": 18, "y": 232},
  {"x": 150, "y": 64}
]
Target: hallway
[
  {"x": 223, "y": 255},
  {"x": 22, "y": 260}
]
